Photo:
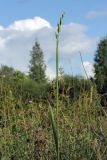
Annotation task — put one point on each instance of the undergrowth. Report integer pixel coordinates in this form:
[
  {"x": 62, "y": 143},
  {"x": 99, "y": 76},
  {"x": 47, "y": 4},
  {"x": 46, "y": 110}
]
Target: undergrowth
[{"x": 26, "y": 131}]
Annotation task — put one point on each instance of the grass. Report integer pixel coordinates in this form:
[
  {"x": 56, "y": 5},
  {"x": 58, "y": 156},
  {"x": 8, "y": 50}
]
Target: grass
[
  {"x": 26, "y": 130},
  {"x": 55, "y": 126}
]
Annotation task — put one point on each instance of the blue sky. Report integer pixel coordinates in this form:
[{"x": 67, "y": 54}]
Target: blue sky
[
  {"x": 90, "y": 16},
  {"x": 76, "y": 11}
]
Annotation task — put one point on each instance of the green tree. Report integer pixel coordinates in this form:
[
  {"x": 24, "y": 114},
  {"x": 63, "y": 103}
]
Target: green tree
[
  {"x": 100, "y": 67},
  {"x": 20, "y": 75},
  {"x": 37, "y": 66},
  {"x": 6, "y": 71}
]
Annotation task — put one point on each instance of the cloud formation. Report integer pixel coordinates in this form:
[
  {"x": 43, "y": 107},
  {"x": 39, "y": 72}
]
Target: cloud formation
[
  {"x": 29, "y": 24},
  {"x": 89, "y": 68},
  {"x": 94, "y": 14},
  {"x": 17, "y": 40}
]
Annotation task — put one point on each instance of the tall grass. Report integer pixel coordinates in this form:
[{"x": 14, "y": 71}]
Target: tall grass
[
  {"x": 55, "y": 124},
  {"x": 26, "y": 133}
]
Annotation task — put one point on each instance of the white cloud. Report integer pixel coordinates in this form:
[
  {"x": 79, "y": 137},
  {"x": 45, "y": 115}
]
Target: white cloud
[
  {"x": 2, "y": 43},
  {"x": 1, "y": 28},
  {"x": 50, "y": 73},
  {"x": 17, "y": 40},
  {"x": 75, "y": 39},
  {"x": 89, "y": 68},
  {"x": 94, "y": 14},
  {"x": 29, "y": 24}
]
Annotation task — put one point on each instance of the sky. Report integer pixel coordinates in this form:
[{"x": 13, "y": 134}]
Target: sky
[{"x": 24, "y": 21}]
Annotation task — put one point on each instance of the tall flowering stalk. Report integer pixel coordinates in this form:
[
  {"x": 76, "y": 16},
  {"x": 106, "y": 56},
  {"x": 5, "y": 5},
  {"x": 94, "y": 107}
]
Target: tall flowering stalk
[
  {"x": 57, "y": 78},
  {"x": 55, "y": 123}
]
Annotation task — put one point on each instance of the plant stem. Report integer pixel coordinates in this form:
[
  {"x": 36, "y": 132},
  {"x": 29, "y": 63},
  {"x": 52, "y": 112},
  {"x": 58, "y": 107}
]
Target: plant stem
[{"x": 57, "y": 92}]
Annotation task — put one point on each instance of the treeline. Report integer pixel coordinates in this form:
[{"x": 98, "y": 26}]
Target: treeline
[
  {"x": 22, "y": 86},
  {"x": 36, "y": 86}
]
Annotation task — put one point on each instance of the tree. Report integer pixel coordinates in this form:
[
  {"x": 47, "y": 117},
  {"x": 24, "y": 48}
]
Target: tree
[
  {"x": 6, "y": 71},
  {"x": 100, "y": 66},
  {"x": 20, "y": 76},
  {"x": 37, "y": 65}
]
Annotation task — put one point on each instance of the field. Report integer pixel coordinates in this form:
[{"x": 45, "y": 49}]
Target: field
[{"x": 26, "y": 130}]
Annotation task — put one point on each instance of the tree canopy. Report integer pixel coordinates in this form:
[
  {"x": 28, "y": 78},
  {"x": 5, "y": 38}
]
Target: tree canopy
[
  {"x": 100, "y": 66},
  {"x": 6, "y": 71},
  {"x": 37, "y": 66}
]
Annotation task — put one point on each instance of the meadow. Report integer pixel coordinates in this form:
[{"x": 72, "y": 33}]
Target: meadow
[{"x": 26, "y": 130}]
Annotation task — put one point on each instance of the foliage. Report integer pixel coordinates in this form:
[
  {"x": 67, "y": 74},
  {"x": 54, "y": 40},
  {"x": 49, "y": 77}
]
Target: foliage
[
  {"x": 37, "y": 66},
  {"x": 101, "y": 67},
  {"x": 25, "y": 129},
  {"x": 6, "y": 71},
  {"x": 70, "y": 88}
]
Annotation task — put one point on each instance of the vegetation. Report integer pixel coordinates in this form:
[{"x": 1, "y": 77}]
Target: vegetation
[
  {"x": 6, "y": 71},
  {"x": 59, "y": 119},
  {"x": 37, "y": 65},
  {"x": 26, "y": 131},
  {"x": 55, "y": 125},
  {"x": 101, "y": 69}
]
